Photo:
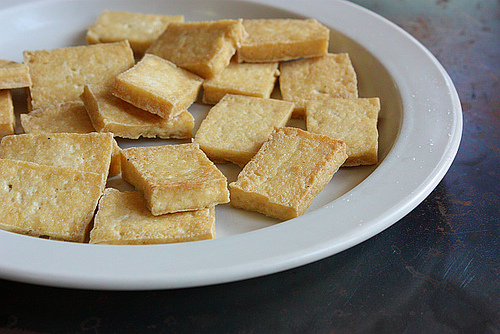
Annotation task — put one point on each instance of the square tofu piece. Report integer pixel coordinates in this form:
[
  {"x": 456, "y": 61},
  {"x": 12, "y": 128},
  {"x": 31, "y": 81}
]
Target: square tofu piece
[
  {"x": 174, "y": 178},
  {"x": 243, "y": 79},
  {"x": 65, "y": 117},
  {"x": 236, "y": 127},
  {"x": 139, "y": 29},
  {"x": 271, "y": 40},
  {"x": 289, "y": 170},
  {"x": 158, "y": 86},
  {"x": 354, "y": 121},
  {"x": 47, "y": 201},
  {"x": 111, "y": 114},
  {"x": 59, "y": 75},
  {"x": 307, "y": 79},
  {"x": 207, "y": 47},
  {"x": 123, "y": 218},
  {"x": 7, "y": 117},
  {"x": 13, "y": 75},
  {"x": 68, "y": 116},
  {"x": 86, "y": 152}
]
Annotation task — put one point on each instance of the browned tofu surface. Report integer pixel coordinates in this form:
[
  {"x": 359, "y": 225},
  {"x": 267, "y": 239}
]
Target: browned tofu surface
[{"x": 289, "y": 170}]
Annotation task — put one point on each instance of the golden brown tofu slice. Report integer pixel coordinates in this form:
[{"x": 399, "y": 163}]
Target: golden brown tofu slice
[
  {"x": 289, "y": 170},
  {"x": 207, "y": 47},
  {"x": 158, "y": 86},
  {"x": 59, "y": 75},
  {"x": 174, "y": 178},
  {"x": 354, "y": 121},
  {"x": 237, "y": 126},
  {"x": 111, "y": 114},
  {"x": 243, "y": 79},
  {"x": 47, "y": 201},
  {"x": 123, "y": 218},
  {"x": 271, "y": 40},
  {"x": 90, "y": 152}
]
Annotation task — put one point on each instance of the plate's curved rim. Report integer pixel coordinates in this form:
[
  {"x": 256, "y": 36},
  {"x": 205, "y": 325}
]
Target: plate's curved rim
[{"x": 301, "y": 245}]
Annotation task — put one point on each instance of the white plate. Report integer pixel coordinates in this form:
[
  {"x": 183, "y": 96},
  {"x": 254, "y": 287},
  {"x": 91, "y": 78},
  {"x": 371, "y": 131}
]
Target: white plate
[{"x": 420, "y": 130}]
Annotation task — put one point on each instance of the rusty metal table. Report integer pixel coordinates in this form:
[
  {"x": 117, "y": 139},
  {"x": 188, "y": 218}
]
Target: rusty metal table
[{"x": 435, "y": 271}]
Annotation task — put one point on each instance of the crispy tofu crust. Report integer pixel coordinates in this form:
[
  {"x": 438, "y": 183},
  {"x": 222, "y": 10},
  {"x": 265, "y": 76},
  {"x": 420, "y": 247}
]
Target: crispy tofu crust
[
  {"x": 158, "y": 86},
  {"x": 139, "y": 29},
  {"x": 332, "y": 75},
  {"x": 68, "y": 116},
  {"x": 354, "y": 121},
  {"x": 59, "y": 75},
  {"x": 47, "y": 201},
  {"x": 13, "y": 75},
  {"x": 7, "y": 117},
  {"x": 123, "y": 218},
  {"x": 237, "y": 126},
  {"x": 244, "y": 79},
  {"x": 271, "y": 40},
  {"x": 289, "y": 170},
  {"x": 174, "y": 178},
  {"x": 207, "y": 47},
  {"x": 111, "y": 114}
]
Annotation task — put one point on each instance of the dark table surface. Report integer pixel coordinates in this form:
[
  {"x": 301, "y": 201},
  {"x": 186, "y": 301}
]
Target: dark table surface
[{"x": 435, "y": 271}]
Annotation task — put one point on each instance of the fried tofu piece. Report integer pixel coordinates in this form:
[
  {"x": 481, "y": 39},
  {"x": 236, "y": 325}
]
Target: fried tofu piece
[
  {"x": 86, "y": 152},
  {"x": 271, "y": 40},
  {"x": 7, "y": 117},
  {"x": 139, "y": 29},
  {"x": 207, "y": 47},
  {"x": 68, "y": 116},
  {"x": 237, "y": 126},
  {"x": 59, "y": 75},
  {"x": 243, "y": 79},
  {"x": 174, "y": 178},
  {"x": 332, "y": 75},
  {"x": 158, "y": 86},
  {"x": 123, "y": 218},
  {"x": 13, "y": 75},
  {"x": 47, "y": 201},
  {"x": 111, "y": 114},
  {"x": 354, "y": 121},
  {"x": 290, "y": 169}
]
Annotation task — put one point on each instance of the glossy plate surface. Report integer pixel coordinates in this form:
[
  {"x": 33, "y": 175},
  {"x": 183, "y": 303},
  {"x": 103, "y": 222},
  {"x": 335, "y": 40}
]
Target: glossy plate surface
[{"x": 420, "y": 128}]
